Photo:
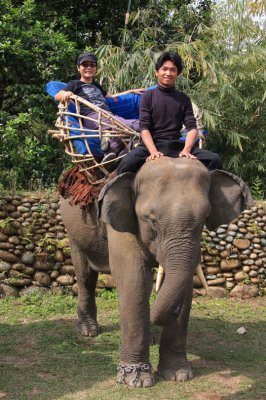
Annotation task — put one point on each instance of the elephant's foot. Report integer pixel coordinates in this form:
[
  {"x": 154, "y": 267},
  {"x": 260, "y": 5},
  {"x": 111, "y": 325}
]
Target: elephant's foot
[
  {"x": 135, "y": 375},
  {"x": 180, "y": 370},
  {"x": 88, "y": 328}
]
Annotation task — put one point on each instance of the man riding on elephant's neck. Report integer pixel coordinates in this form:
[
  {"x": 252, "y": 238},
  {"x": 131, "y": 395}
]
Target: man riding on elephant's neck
[{"x": 163, "y": 111}]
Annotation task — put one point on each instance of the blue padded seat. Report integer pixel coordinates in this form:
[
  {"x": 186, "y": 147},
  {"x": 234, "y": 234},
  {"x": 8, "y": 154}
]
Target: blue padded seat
[
  {"x": 125, "y": 105},
  {"x": 79, "y": 144},
  {"x": 184, "y": 135},
  {"x": 53, "y": 87}
]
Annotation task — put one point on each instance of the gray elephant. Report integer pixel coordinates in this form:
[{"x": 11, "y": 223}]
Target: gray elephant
[{"x": 141, "y": 220}]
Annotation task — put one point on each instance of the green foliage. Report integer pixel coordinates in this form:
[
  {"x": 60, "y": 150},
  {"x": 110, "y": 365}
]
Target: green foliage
[
  {"x": 205, "y": 244},
  {"x": 12, "y": 280},
  {"x": 39, "y": 42},
  {"x": 256, "y": 229},
  {"x": 28, "y": 232},
  {"x": 162, "y": 25},
  {"x": 50, "y": 304},
  {"x": 222, "y": 45},
  {"x": 257, "y": 189},
  {"x": 153, "y": 297},
  {"x": 47, "y": 243},
  {"x": 27, "y": 158},
  {"x": 6, "y": 223},
  {"x": 107, "y": 294},
  {"x": 231, "y": 91},
  {"x": 42, "y": 207},
  {"x": 246, "y": 281}
]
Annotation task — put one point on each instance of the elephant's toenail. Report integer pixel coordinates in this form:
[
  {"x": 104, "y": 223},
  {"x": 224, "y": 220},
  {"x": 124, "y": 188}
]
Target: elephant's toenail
[
  {"x": 148, "y": 382},
  {"x": 182, "y": 377}
]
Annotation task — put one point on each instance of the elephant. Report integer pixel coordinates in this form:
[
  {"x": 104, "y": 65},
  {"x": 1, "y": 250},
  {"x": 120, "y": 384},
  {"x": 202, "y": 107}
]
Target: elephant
[{"x": 141, "y": 220}]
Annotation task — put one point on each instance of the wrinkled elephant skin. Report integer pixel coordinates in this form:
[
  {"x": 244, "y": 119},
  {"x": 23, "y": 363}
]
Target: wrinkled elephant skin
[{"x": 155, "y": 216}]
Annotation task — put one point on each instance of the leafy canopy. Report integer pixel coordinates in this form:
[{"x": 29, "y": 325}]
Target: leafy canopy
[{"x": 222, "y": 46}]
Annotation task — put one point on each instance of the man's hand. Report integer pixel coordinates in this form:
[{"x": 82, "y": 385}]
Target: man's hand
[
  {"x": 154, "y": 154},
  {"x": 189, "y": 143},
  {"x": 66, "y": 96},
  {"x": 187, "y": 154},
  {"x": 149, "y": 143},
  {"x": 137, "y": 91}
]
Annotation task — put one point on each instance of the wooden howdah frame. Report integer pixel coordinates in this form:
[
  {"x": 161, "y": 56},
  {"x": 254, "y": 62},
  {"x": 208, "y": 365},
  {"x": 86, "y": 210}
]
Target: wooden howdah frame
[{"x": 91, "y": 166}]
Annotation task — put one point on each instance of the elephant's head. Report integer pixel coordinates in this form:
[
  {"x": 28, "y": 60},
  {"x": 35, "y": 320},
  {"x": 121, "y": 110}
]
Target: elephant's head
[{"x": 166, "y": 205}]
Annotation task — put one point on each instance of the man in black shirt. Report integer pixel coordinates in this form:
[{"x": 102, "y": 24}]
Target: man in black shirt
[{"x": 163, "y": 111}]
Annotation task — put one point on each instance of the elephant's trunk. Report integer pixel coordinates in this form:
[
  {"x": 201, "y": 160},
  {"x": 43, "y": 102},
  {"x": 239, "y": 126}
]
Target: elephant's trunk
[
  {"x": 160, "y": 277},
  {"x": 177, "y": 282}
]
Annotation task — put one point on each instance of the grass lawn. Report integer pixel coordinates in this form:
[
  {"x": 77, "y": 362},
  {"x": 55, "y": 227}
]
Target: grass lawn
[{"x": 42, "y": 356}]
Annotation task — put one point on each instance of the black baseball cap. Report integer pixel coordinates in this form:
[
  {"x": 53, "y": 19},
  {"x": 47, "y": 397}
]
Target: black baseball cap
[{"x": 86, "y": 57}]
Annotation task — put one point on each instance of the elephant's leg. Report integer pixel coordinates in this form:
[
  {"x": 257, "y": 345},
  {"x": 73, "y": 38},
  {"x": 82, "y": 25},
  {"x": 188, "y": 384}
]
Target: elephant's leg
[
  {"x": 173, "y": 362},
  {"x": 87, "y": 279},
  {"x": 133, "y": 280}
]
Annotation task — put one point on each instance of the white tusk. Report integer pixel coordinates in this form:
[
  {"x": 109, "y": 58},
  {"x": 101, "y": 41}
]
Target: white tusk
[
  {"x": 201, "y": 277},
  {"x": 159, "y": 279}
]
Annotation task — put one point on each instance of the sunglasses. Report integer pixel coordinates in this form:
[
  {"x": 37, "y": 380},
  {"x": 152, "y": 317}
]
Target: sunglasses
[{"x": 87, "y": 64}]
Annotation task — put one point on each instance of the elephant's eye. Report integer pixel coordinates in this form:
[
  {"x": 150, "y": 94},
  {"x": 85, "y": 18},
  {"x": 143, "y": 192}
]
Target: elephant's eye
[{"x": 153, "y": 222}]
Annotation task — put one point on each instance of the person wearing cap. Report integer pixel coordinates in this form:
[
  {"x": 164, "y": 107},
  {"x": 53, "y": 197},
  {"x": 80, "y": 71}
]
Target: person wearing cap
[{"x": 89, "y": 89}]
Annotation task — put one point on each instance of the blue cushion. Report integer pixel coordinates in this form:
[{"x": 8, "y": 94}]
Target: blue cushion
[
  {"x": 125, "y": 106},
  {"x": 93, "y": 142},
  {"x": 184, "y": 135},
  {"x": 52, "y": 88}
]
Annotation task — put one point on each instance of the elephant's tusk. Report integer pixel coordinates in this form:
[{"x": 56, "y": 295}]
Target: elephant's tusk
[
  {"x": 160, "y": 276},
  {"x": 159, "y": 279},
  {"x": 201, "y": 277}
]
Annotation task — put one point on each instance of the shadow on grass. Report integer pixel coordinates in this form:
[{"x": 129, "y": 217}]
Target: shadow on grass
[
  {"x": 229, "y": 359},
  {"x": 109, "y": 328},
  {"x": 49, "y": 359}
]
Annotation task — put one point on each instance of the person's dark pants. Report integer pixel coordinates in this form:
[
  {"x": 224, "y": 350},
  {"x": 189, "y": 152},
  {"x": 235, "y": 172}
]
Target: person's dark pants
[
  {"x": 137, "y": 157},
  {"x": 115, "y": 145}
]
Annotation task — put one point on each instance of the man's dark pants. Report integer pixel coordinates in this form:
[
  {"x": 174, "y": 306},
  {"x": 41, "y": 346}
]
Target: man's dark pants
[{"x": 137, "y": 157}]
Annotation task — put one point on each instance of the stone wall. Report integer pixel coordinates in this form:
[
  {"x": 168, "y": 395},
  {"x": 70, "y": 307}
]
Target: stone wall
[
  {"x": 35, "y": 254},
  {"x": 236, "y": 253}
]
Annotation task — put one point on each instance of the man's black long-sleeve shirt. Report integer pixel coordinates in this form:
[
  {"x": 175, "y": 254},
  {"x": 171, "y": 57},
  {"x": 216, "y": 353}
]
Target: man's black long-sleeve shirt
[{"x": 163, "y": 111}]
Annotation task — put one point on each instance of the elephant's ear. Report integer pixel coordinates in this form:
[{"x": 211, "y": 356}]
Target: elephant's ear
[
  {"x": 229, "y": 195},
  {"x": 116, "y": 204}
]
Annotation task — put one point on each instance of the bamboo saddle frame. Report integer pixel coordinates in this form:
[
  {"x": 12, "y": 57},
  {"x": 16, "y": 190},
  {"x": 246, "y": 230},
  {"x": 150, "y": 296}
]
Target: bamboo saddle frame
[{"x": 88, "y": 163}]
